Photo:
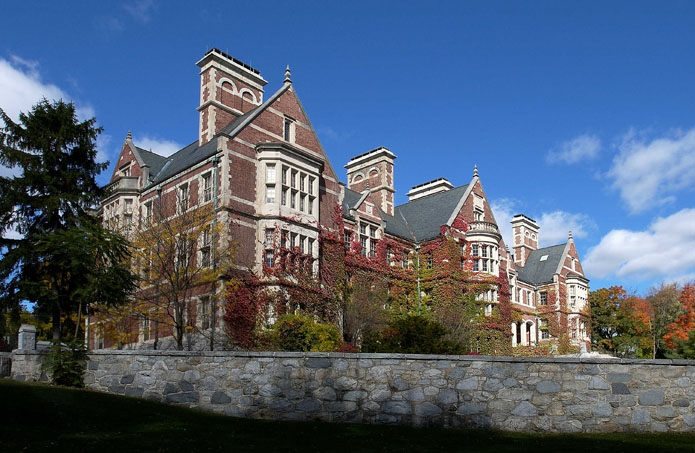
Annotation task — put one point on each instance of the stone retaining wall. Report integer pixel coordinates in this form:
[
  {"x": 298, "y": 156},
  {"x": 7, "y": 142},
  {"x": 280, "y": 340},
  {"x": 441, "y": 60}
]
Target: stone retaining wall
[
  {"x": 534, "y": 394},
  {"x": 5, "y": 364}
]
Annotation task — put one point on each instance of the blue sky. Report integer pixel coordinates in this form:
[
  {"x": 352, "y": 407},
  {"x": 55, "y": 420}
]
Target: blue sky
[{"x": 578, "y": 114}]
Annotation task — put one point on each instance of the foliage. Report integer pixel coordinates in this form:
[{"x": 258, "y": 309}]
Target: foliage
[
  {"x": 244, "y": 310},
  {"x": 302, "y": 333},
  {"x": 664, "y": 310},
  {"x": 413, "y": 334},
  {"x": 169, "y": 252},
  {"x": 65, "y": 363},
  {"x": 63, "y": 258},
  {"x": 680, "y": 333},
  {"x": 620, "y": 323}
]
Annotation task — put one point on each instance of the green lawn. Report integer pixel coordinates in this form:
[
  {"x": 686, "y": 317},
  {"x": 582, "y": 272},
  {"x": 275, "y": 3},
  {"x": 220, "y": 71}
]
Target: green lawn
[{"x": 41, "y": 418}]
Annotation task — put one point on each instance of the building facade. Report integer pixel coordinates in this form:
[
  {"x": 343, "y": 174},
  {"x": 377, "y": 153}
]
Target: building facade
[{"x": 259, "y": 163}]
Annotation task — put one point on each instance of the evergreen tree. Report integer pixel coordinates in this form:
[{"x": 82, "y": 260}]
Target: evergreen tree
[{"x": 63, "y": 258}]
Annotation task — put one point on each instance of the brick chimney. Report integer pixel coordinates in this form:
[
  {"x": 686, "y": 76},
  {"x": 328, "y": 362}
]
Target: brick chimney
[
  {"x": 228, "y": 89},
  {"x": 373, "y": 171}
]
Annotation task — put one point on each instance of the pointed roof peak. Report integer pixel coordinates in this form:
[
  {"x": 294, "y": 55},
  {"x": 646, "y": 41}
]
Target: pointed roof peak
[{"x": 288, "y": 75}]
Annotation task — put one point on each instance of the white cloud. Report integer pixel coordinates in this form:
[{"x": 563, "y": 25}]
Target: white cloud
[
  {"x": 503, "y": 211},
  {"x": 664, "y": 250},
  {"x": 140, "y": 10},
  {"x": 649, "y": 173},
  {"x": 160, "y": 146},
  {"x": 556, "y": 225},
  {"x": 572, "y": 151}
]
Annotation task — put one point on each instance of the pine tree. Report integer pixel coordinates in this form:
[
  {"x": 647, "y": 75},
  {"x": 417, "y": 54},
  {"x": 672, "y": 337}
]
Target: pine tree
[{"x": 62, "y": 258}]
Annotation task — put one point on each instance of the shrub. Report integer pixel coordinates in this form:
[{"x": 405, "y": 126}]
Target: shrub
[
  {"x": 65, "y": 363},
  {"x": 301, "y": 333},
  {"x": 412, "y": 334}
]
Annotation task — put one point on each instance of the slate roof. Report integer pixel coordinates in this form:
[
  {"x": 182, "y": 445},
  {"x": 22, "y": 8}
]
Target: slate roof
[
  {"x": 193, "y": 154},
  {"x": 538, "y": 272},
  {"x": 425, "y": 216},
  {"x": 418, "y": 220},
  {"x": 154, "y": 160}
]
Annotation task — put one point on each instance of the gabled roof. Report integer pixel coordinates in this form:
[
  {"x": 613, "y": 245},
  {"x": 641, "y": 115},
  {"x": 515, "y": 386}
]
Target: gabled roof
[
  {"x": 537, "y": 272},
  {"x": 425, "y": 216},
  {"x": 418, "y": 220},
  {"x": 153, "y": 160},
  {"x": 194, "y": 153}
]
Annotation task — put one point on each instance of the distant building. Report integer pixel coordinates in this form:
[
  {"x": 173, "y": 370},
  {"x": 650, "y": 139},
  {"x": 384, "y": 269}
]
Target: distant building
[{"x": 271, "y": 174}]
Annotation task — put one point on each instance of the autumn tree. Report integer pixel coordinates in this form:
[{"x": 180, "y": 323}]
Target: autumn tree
[
  {"x": 665, "y": 309},
  {"x": 179, "y": 255},
  {"x": 60, "y": 257},
  {"x": 680, "y": 335},
  {"x": 620, "y": 323}
]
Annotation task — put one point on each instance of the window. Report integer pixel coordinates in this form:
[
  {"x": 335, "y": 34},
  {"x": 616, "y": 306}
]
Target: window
[
  {"x": 270, "y": 194},
  {"x": 207, "y": 187},
  {"x": 145, "y": 328},
  {"x": 269, "y": 232},
  {"x": 429, "y": 261},
  {"x": 284, "y": 197},
  {"x": 310, "y": 188},
  {"x": 372, "y": 248},
  {"x": 270, "y": 174},
  {"x": 128, "y": 222},
  {"x": 475, "y": 250},
  {"x": 283, "y": 239},
  {"x": 544, "y": 298},
  {"x": 363, "y": 229},
  {"x": 293, "y": 240},
  {"x": 477, "y": 215},
  {"x": 388, "y": 254},
  {"x": 288, "y": 130},
  {"x": 347, "y": 237},
  {"x": 544, "y": 329},
  {"x": 293, "y": 179},
  {"x": 484, "y": 250},
  {"x": 310, "y": 248},
  {"x": 484, "y": 265},
  {"x": 129, "y": 205},
  {"x": 147, "y": 211},
  {"x": 363, "y": 245},
  {"x": 204, "y": 310},
  {"x": 205, "y": 249},
  {"x": 301, "y": 203},
  {"x": 293, "y": 199},
  {"x": 311, "y": 205},
  {"x": 183, "y": 197},
  {"x": 125, "y": 170},
  {"x": 269, "y": 258},
  {"x": 475, "y": 266},
  {"x": 518, "y": 295}
]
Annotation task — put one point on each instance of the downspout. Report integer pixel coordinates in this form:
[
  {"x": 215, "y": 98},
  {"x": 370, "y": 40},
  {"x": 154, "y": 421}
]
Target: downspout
[
  {"x": 419, "y": 294},
  {"x": 156, "y": 291},
  {"x": 213, "y": 303}
]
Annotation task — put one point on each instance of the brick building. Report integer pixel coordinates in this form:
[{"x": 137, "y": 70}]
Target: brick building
[{"x": 259, "y": 161}]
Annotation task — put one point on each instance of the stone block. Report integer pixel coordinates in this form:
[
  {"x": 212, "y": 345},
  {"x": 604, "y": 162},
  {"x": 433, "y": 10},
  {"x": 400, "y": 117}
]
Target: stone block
[
  {"x": 185, "y": 386},
  {"x": 127, "y": 379},
  {"x": 525, "y": 409},
  {"x": 619, "y": 377},
  {"x": 682, "y": 402},
  {"x": 345, "y": 383},
  {"x": 471, "y": 409},
  {"x": 318, "y": 362},
  {"x": 641, "y": 416},
  {"x": 598, "y": 383},
  {"x": 654, "y": 397},
  {"x": 135, "y": 392},
  {"x": 396, "y": 407},
  {"x": 184, "y": 397},
  {"x": 427, "y": 409},
  {"x": 308, "y": 405},
  {"x": 220, "y": 398},
  {"x": 470, "y": 383},
  {"x": 447, "y": 396},
  {"x": 602, "y": 409},
  {"x": 619, "y": 388},
  {"x": 547, "y": 387},
  {"x": 325, "y": 393}
]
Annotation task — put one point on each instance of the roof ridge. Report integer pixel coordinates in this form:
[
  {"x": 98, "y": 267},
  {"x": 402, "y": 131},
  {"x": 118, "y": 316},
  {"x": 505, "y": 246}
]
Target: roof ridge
[{"x": 252, "y": 114}]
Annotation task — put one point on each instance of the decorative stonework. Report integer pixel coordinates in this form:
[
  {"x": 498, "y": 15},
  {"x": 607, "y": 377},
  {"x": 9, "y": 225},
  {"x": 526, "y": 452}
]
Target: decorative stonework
[{"x": 518, "y": 394}]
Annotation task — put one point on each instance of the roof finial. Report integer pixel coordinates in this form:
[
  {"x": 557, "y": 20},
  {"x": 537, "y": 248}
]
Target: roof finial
[
  {"x": 288, "y": 78},
  {"x": 130, "y": 136},
  {"x": 570, "y": 235},
  {"x": 475, "y": 170}
]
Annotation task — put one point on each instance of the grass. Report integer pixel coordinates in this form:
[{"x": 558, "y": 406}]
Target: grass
[{"x": 38, "y": 417}]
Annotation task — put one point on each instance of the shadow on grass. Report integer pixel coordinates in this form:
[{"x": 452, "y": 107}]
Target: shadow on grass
[{"x": 39, "y": 418}]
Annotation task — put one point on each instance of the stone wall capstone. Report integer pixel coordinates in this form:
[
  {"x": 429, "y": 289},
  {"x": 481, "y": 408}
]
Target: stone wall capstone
[{"x": 518, "y": 394}]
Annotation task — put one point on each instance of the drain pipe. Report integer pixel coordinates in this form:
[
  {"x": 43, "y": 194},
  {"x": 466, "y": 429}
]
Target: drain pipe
[{"x": 213, "y": 246}]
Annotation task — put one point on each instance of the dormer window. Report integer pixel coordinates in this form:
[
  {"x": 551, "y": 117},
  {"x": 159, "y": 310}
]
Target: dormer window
[{"x": 125, "y": 170}]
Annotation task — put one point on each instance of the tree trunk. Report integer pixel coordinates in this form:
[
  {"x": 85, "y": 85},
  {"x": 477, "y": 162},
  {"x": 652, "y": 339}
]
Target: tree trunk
[{"x": 56, "y": 323}]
